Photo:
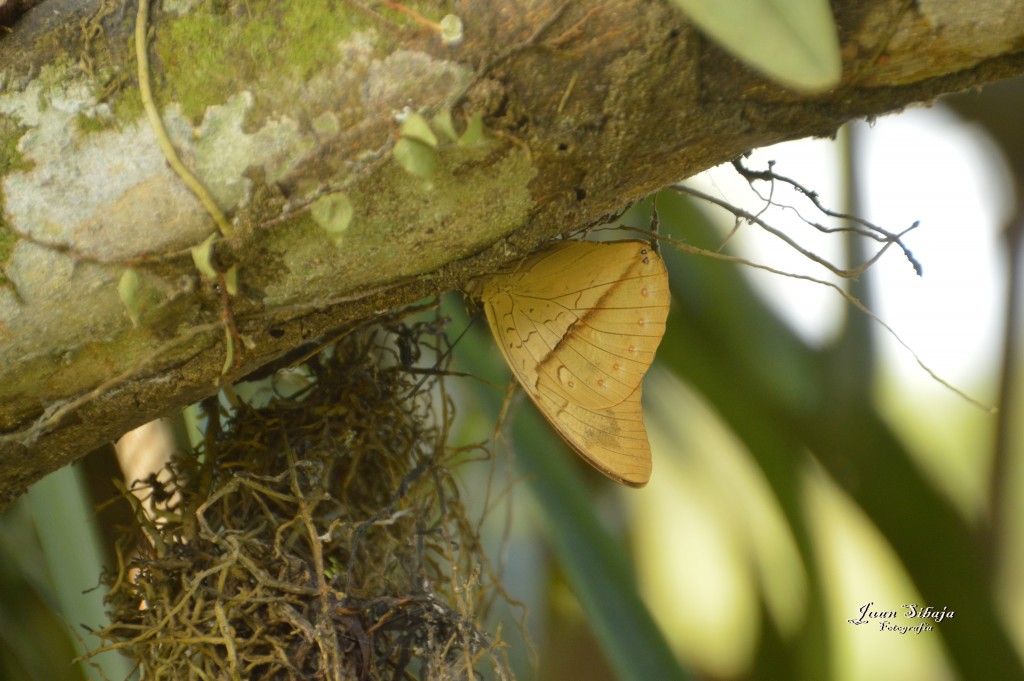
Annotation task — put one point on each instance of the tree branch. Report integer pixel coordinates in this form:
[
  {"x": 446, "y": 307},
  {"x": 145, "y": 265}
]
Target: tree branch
[{"x": 587, "y": 107}]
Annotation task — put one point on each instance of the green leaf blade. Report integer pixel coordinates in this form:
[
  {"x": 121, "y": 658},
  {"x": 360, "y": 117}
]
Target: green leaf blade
[{"x": 794, "y": 42}]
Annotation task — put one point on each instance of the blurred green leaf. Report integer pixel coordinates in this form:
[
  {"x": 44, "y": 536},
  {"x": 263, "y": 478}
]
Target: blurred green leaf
[
  {"x": 780, "y": 397},
  {"x": 34, "y": 642},
  {"x": 595, "y": 563},
  {"x": 791, "y": 41},
  {"x": 722, "y": 339},
  {"x": 63, "y": 514}
]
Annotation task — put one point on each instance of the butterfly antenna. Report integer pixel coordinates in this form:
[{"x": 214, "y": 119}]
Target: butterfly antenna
[{"x": 655, "y": 224}]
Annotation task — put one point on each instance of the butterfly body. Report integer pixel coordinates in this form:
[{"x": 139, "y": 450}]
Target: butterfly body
[{"x": 579, "y": 323}]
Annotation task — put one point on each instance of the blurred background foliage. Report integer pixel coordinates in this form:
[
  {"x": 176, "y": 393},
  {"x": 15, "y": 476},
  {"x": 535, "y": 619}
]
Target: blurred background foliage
[{"x": 795, "y": 481}]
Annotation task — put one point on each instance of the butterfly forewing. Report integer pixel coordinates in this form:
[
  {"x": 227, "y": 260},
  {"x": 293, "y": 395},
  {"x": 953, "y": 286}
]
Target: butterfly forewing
[{"x": 579, "y": 324}]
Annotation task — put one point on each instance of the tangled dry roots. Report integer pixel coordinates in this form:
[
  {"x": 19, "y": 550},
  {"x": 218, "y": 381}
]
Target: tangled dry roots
[{"x": 321, "y": 537}]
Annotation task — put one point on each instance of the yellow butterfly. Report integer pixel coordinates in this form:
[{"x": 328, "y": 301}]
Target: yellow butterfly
[{"x": 579, "y": 323}]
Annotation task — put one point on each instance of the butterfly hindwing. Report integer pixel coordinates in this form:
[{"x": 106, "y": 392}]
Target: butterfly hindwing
[{"x": 579, "y": 324}]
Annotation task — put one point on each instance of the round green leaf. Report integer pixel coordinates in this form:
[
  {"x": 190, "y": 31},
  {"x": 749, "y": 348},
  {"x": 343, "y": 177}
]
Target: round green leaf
[
  {"x": 202, "y": 256},
  {"x": 128, "y": 289},
  {"x": 451, "y": 29},
  {"x": 443, "y": 123},
  {"x": 416, "y": 127},
  {"x": 474, "y": 130},
  {"x": 231, "y": 280},
  {"x": 334, "y": 213},
  {"x": 416, "y": 157}
]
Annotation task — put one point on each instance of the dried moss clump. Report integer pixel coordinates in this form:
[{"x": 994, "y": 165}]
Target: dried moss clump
[{"x": 320, "y": 537}]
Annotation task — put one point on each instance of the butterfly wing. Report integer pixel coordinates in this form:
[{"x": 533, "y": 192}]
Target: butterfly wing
[{"x": 579, "y": 324}]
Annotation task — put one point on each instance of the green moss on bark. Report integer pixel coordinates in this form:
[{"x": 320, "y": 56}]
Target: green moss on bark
[
  {"x": 11, "y": 160},
  {"x": 205, "y": 54}
]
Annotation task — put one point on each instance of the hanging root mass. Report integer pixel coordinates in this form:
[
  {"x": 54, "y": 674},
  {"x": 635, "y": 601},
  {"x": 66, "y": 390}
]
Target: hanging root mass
[{"x": 320, "y": 537}]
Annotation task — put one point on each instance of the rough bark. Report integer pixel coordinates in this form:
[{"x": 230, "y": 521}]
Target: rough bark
[{"x": 588, "y": 106}]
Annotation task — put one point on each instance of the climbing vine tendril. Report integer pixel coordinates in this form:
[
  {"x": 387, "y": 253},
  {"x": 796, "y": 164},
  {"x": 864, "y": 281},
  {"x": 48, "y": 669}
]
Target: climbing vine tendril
[{"x": 146, "y": 92}]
